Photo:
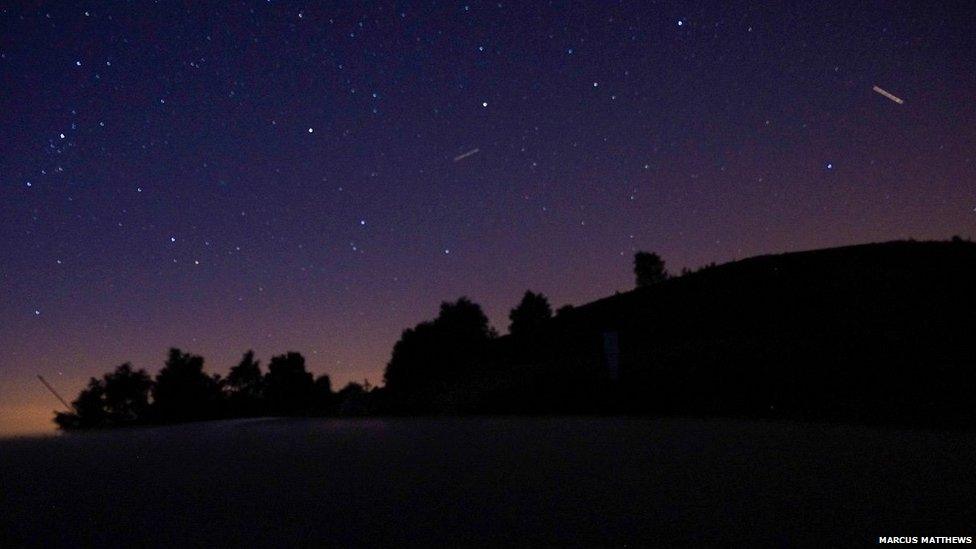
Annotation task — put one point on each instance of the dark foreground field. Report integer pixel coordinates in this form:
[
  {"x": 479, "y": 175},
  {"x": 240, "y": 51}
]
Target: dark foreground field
[{"x": 577, "y": 481}]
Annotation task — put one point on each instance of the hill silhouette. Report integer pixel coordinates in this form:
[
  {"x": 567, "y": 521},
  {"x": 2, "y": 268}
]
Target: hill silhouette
[
  {"x": 867, "y": 333},
  {"x": 876, "y": 332}
]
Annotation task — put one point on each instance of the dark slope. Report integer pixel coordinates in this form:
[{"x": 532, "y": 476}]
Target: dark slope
[{"x": 870, "y": 332}]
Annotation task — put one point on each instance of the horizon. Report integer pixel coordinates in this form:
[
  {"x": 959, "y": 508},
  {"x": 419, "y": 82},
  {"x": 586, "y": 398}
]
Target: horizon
[
  {"x": 318, "y": 179},
  {"x": 34, "y": 424}
]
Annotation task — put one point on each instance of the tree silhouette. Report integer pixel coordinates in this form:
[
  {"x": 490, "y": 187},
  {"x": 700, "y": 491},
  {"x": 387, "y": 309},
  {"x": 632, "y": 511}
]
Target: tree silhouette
[
  {"x": 412, "y": 364},
  {"x": 649, "y": 269},
  {"x": 183, "y": 392},
  {"x": 464, "y": 320},
  {"x": 289, "y": 388},
  {"x": 127, "y": 395},
  {"x": 435, "y": 354},
  {"x": 352, "y": 399},
  {"x": 323, "y": 398},
  {"x": 245, "y": 385},
  {"x": 531, "y": 313},
  {"x": 89, "y": 408},
  {"x": 119, "y": 398}
]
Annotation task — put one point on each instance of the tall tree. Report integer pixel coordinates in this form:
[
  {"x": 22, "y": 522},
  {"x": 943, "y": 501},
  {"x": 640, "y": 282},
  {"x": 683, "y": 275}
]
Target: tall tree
[
  {"x": 183, "y": 392},
  {"x": 649, "y": 269},
  {"x": 412, "y": 365},
  {"x": 245, "y": 385},
  {"x": 530, "y": 314}
]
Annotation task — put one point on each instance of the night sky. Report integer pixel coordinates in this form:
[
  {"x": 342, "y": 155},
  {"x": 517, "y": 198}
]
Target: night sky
[{"x": 289, "y": 176}]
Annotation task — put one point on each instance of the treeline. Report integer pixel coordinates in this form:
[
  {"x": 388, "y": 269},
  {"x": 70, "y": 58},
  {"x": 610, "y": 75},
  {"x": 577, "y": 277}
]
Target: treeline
[
  {"x": 455, "y": 363},
  {"x": 436, "y": 367},
  {"x": 182, "y": 391},
  {"x": 879, "y": 333},
  {"x": 430, "y": 362}
]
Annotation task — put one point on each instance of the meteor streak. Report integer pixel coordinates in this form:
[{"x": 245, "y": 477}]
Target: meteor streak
[
  {"x": 465, "y": 155},
  {"x": 888, "y": 95}
]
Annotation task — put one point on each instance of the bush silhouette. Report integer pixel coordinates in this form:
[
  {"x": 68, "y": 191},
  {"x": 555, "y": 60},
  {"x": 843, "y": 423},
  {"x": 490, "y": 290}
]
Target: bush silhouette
[{"x": 353, "y": 399}]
